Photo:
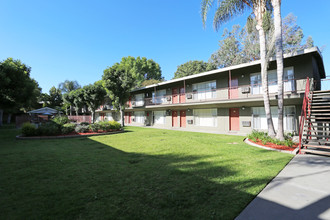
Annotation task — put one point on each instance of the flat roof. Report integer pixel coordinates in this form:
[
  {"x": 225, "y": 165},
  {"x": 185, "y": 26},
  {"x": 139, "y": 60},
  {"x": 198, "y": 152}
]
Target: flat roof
[{"x": 252, "y": 63}]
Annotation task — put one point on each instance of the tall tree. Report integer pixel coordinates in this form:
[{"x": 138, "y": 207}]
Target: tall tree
[
  {"x": 55, "y": 97},
  {"x": 142, "y": 69},
  {"x": 17, "y": 89},
  {"x": 279, "y": 62},
  {"x": 68, "y": 86},
  {"x": 78, "y": 99},
  {"x": 225, "y": 11},
  {"x": 94, "y": 95},
  {"x": 68, "y": 101},
  {"x": 118, "y": 80},
  {"x": 193, "y": 67}
]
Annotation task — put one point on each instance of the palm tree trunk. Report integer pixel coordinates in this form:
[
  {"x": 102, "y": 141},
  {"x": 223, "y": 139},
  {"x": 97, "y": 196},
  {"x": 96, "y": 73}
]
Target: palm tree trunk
[
  {"x": 122, "y": 116},
  {"x": 279, "y": 61},
  {"x": 264, "y": 79}
]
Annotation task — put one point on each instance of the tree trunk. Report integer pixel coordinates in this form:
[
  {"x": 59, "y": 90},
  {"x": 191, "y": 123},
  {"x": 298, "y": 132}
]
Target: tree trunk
[
  {"x": 77, "y": 111},
  {"x": 122, "y": 116},
  {"x": 70, "y": 110},
  {"x": 9, "y": 118},
  {"x": 264, "y": 79},
  {"x": 93, "y": 115},
  {"x": 1, "y": 115},
  {"x": 279, "y": 61}
]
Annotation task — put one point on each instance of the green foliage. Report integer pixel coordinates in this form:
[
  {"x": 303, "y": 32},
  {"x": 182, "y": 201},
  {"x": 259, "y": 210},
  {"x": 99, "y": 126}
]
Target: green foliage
[
  {"x": 95, "y": 127},
  {"x": 68, "y": 128},
  {"x": 114, "y": 125},
  {"x": 150, "y": 82},
  {"x": 94, "y": 95},
  {"x": 193, "y": 67},
  {"x": 28, "y": 129},
  {"x": 68, "y": 86},
  {"x": 84, "y": 123},
  {"x": 49, "y": 128},
  {"x": 82, "y": 128},
  {"x": 264, "y": 138},
  {"x": 61, "y": 120},
  {"x": 104, "y": 125}
]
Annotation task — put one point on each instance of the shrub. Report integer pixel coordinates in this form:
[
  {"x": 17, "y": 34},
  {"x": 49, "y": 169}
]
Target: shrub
[
  {"x": 105, "y": 126},
  {"x": 49, "y": 128},
  {"x": 82, "y": 128},
  {"x": 264, "y": 138},
  {"x": 29, "y": 129},
  {"x": 94, "y": 127},
  {"x": 61, "y": 120},
  {"x": 68, "y": 128},
  {"x": 84, "y": 123},
  {"x": 114, "y": 125}
]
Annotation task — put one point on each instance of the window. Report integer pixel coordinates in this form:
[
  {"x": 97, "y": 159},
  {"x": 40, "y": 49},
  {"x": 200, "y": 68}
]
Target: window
[
  {"x": 205, "y": 117},
  {"x": 204, "y": 90},
  {"x": 159, "y": 97},
  {"x": 260, "y": 121},
  {"x": 159, "y": 117},
  {"x": 139, "y": 99},
  {"x": 288, "y": 80},
  {"x": 109, "y": 116},
  {"x": 139, "y": 117}
]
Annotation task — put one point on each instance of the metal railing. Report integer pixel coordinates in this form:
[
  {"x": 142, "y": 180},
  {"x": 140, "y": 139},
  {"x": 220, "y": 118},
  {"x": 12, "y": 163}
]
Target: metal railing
[
  {"x": 227, "y": 93},
  {"x": 304, "y": 113}
]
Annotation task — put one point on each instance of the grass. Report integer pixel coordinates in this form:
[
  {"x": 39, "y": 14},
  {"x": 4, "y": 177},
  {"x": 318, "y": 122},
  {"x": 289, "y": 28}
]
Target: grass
[{"x": 142, "y": 174}]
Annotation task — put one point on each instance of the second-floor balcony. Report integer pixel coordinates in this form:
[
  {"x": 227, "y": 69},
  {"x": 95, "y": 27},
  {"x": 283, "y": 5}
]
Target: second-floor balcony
[{"x": 242, "y": 92}]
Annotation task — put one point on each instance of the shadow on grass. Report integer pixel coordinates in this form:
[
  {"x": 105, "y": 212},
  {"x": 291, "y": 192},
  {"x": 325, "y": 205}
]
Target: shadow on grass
[{"x": 86, "y": 179}]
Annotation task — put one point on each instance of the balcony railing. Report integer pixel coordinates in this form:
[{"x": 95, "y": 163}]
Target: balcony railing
[{"x": 222, "y": 94}]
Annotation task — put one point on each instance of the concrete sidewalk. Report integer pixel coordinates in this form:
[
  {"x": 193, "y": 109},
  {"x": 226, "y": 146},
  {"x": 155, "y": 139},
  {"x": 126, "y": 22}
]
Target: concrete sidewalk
[{"x": 300, "y": 191}]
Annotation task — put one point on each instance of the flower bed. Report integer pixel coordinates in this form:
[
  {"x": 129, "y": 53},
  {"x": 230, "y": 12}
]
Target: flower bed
[{"x": 275, "y": 146}]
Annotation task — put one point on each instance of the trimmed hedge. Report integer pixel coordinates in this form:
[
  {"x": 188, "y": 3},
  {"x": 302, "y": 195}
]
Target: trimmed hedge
[
  {"x": 28, "y": 129},
  {"x": 68, "y": 128}
]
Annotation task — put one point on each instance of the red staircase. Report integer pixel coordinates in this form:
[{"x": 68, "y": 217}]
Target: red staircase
[{"x": 314, "y": 132}]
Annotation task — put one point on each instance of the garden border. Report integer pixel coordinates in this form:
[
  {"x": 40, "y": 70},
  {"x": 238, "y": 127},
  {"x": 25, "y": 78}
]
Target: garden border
[
  {"x": 294, "y": 152},
  {"x": 20, "y": 137}
]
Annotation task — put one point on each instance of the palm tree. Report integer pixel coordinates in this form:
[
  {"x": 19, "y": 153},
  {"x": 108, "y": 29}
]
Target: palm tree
[
  {"x": 226, "y": 10},
  {"x": 68, "y": 86},
  {"x": 279, "y": 62}
]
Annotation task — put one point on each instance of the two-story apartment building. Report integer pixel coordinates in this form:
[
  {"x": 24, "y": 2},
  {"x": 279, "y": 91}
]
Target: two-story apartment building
[{"x": 227, "y": 100}]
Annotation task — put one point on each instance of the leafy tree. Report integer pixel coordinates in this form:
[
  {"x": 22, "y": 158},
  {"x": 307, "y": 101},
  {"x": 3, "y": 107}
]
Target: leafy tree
[
  {"x": 68, "y": 101},
  {"x": 68, "y": 86},
  {"x": 94, "y": 96},
  {"x": 17, "y": 89},
  {"x": 193, "y": 67},
  {"x": 119, "y": 80},
  {"x": 142, "y": 69},
  {"x": 78, "y": 99},
  {"x": 150, "y": 82},
  {"x": 55, "y": 97},
  {"x": 225, "y": 11}
]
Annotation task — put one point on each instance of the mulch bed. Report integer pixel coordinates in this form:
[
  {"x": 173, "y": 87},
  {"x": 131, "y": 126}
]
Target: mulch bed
[{"x": 274, "y": 146}]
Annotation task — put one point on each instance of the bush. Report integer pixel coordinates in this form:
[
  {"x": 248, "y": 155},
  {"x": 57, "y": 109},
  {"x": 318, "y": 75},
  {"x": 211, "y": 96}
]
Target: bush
[
  {"x": 84, "y": 123},
  {"x": 105, "y": 126},
  {"x": 29, "y": 129},
  {"x": 49, "y": 128},
  {"x": 82, "y": 128},
  {"x": 94, "y": 127},
  {"x": 264, "y": 138},
  {"x": 68, "y": 128},
  {"x": 61, "y": 120},
  {"x": 114, "y": 125}
]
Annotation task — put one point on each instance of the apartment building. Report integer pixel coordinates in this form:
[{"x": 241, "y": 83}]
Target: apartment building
[{"x": 227, "y": 100}]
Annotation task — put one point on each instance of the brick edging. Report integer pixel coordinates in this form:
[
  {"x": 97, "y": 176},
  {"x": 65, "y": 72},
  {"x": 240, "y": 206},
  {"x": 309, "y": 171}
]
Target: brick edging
[
  {"x": 294, "y": 152},
  {"x": 19, "y": 137}
]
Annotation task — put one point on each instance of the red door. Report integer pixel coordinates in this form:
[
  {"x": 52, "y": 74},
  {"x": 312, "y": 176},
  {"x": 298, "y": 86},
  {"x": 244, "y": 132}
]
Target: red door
[
  {"x": 183, "y": 118},
  {"x": 233, "y": 88},
  {"x": 234, "y": 119},
  {"x": 182, "y": 95},
  {"x": 102, "y": 116},
  {"x": 175, "y": 97},
  {"x": 129, "y": 117},
  {"x": 174, "y": 118},
  {"x": 126, "y": 117}
]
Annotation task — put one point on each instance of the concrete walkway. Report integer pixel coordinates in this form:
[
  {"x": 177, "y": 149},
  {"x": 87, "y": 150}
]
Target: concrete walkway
[{"x": 300, "y": 191}]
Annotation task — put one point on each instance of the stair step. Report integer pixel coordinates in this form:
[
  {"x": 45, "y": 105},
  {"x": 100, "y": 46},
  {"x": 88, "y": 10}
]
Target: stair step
[
  {"x": 316, "y": 113},
  {"x": 321, "y": 91},
  {"x": 318, "y": 117},
  {"x": 316, "y": 146},
  {"x": 320, "y": 97},
  {"x": 320, "y": 110},
  {"x": 319, "y": 100},
  {"x": 317, "y": 107},
  {"x": 321, "y": 103},
  {"x": 315, "y": 135},
  {"x": 316, "y": 126},
  {"x": 315, "y": 141},
  {"x": 319, "y": 152}
]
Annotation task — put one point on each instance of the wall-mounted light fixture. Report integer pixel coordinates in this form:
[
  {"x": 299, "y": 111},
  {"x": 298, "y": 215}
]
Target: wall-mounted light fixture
[
  {"x": 243, "y": 75},
  {"x": 189, "y": 109},
  {"x": 243, "y": 107}
]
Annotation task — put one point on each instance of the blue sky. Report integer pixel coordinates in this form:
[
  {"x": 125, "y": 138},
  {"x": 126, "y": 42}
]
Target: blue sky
[{"x": 77, "y": 40}]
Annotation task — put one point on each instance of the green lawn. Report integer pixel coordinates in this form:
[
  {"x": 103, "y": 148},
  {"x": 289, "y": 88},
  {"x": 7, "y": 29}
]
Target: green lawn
[{"x": 142, "y": 174}]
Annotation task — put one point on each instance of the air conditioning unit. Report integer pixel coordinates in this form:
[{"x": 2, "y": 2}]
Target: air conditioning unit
[
  {"x": 189, "y": 96},
  {"x": 245, "y": 89},
  {"x": 168, "y": 98},
  {"x": 190, "y": 122},
  {"x": 246, "y": 123}
]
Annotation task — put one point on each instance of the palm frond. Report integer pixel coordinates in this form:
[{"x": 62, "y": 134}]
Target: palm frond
[
  {"x": 205, "y": 7},
  {"x": 228, "y": 9}
]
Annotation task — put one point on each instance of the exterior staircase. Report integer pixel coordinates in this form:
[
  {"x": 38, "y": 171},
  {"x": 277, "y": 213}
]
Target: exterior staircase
[{"x": 315, "y": 123}]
